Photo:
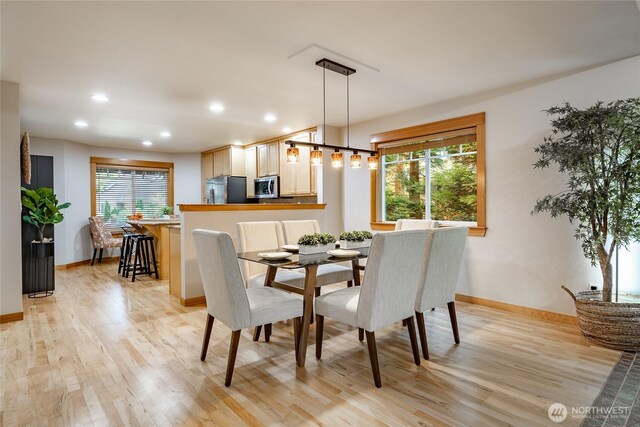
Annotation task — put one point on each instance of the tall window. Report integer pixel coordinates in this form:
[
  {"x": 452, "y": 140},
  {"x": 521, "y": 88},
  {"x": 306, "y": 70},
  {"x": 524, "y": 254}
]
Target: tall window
[
  {"x": 124, "y": 187},
  {"x": 433, "y": 171}
]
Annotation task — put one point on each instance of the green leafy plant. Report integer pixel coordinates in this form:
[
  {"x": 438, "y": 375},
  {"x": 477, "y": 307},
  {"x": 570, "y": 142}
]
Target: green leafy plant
[
  {"x": 598, "y": 148},
  {"x": 356, "y": 236},
  {"x": 166, "y": 210},
  {"x": 316, "y": 239},
  {"x": 42, "y": 208},
  {"x": 108, "y": 213}
]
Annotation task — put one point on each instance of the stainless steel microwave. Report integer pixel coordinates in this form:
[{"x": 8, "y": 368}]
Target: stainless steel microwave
[{"x": 267, "y": 187}]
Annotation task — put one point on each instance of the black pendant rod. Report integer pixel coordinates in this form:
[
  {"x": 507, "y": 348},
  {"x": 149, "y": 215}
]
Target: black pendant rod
[
  {"x": 335, "y": 147},
  {"x": 324, "y": 104}
]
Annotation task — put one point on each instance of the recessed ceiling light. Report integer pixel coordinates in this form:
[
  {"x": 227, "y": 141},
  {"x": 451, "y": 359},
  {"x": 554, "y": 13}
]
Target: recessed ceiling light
[
  {"x": 81, "y": 124},
  {"x": 237, "y": 142},
  {"x": 270, "y": 117},
  {"x": 147, "y": 143},
  {"x": 99, "y": 97},
  {"x": 216, "y": 107},
  {"x": 286, "y": 130},
  {"x": 165, "y": 134}
]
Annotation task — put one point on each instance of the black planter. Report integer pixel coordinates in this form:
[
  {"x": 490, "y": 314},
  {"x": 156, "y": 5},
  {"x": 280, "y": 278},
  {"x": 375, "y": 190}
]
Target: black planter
[{"x": 40, "y": 268}]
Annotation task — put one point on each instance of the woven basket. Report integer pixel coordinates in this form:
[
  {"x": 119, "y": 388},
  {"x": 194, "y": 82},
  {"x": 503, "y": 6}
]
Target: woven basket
[{"x": 609, "y": 324}]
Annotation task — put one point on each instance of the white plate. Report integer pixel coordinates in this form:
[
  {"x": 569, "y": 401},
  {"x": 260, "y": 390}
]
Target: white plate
[
  {"x": 343, "y": 253},
  {"x": 274, "y": 256},
  {"x": 290, "y": 247}
]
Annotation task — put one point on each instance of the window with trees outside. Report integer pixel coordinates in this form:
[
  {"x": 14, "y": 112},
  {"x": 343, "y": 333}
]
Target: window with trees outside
[
  {"x": 433, "y": 171},
  {"x": 123, "y": 187}
]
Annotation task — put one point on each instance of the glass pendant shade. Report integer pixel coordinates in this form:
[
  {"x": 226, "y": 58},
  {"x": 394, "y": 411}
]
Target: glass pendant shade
[
  {"x": 292, "y": 154},
  {"x": 316, "y": 156},
  {"x": 372, "y": 162},
  {"x": 355, "y": 160},
  {"x": 336, "y": 159}
]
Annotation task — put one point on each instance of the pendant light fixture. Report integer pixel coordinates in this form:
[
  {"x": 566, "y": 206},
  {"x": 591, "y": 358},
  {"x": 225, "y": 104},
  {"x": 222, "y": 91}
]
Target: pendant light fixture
[
  {"x": 293, "y": 153},
  {"x": 337, "y": 158},
  {"x": 372, "y": 162}
]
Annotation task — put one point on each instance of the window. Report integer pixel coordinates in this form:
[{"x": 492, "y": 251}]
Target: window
[
  {"x": 124, "y": 187},
  {"x": 433, "y": 171}
]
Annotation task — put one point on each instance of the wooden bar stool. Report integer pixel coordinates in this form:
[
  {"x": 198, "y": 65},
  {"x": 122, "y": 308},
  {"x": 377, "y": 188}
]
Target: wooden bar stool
[{"x": 141, "y": 257}]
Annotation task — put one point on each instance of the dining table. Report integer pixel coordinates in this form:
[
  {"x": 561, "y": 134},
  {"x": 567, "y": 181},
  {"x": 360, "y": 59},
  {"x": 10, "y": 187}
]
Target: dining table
[{"x": 310, "y": 264}]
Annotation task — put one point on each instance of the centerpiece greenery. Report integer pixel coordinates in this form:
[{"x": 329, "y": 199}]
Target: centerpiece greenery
[
  {"x": 598, "y": 148},
  {"x": 167, "y": 210},
  {"x": 356, "y": 236},
  {"x": 316, "y": 239},
  {"x": 42, "y": 208}
]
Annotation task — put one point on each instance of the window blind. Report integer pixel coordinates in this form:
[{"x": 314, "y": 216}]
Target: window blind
[{"x": 122, "y": 191}]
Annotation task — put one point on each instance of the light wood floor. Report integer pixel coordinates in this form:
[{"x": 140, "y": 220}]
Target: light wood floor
[{"x": 106, "y": 351}]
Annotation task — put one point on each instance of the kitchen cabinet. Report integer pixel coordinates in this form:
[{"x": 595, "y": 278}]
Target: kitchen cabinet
[
  {"x": 251, "y": 169},
  {"x": 295, "y": 178},
  {"x": 268, "y": 159},
  {"x": 229, "y": 161}
]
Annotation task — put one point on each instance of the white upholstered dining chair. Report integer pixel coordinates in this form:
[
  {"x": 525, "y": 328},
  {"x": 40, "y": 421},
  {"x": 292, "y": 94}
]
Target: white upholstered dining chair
[
  {"x": 229, "y": 301},
  {"x": 327, "y": 274},
  {"x": 387, "y": 295},
  {"x": 444, "y": 250},
  {"x": 415, "y": 224}
]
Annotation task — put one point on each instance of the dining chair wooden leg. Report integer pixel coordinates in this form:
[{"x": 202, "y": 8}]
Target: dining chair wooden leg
[
  {"x": 317, "y": 291},
  {"x": 256, "y": 332},
  {"x": 95, "y": 251},
  {"x": 207, "y": 336},
  {"x": 100, "y": 256},
  {"x": 414, "y": 342},
  {"x": 233, "y": 351},
  {"x": 296, "y": 334},
  {"x": 319, "y": 332},
  {"x": 349, "y": 283},
  {"x": 373, "y": 355},
  {"x": 267, "y": 332},
  {"x": 454, "y": 320},
  {"x": 360, "y": 334},
  {"x": 423, "y": 335}
]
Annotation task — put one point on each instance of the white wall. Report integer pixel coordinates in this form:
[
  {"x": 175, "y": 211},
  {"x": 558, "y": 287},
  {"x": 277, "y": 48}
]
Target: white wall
[
  {"x": 523, "y": 259},
  {"x": 10, "y": 221},
  {"x": 72, "y": 184}
]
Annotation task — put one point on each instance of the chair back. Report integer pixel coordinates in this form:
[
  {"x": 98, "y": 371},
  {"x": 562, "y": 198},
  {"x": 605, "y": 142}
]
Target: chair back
[
  {"x": 258, "y": 236},
  {"x": 395, "y": 269},
  {"x": 222, "y": 281},
  {"x": 98, "y": 231},
  {"x": 293, "y": 230},
  {"x": 445, "y": 247},
  {"x": 415, "y": 224}
]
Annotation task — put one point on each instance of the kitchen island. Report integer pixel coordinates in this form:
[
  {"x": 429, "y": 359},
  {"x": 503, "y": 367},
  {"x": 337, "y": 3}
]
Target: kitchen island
[{"x": 224, "y": 218}]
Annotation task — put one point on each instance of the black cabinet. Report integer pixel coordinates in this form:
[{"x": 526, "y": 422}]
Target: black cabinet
[{"x": 37, "y": 276}]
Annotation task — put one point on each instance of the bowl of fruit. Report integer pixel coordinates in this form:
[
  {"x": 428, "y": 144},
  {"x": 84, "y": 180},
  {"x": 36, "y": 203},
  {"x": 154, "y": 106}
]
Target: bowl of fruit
[{"x": 135, "y": 217}]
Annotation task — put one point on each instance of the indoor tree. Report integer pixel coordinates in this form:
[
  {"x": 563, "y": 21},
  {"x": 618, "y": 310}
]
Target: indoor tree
[
  {"x": 42, "y": 208},
  {"x": 598, "y": 148}
]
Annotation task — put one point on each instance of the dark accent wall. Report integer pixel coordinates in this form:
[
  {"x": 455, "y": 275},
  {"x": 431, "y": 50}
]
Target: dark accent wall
[{"x": 41, "y": 176}]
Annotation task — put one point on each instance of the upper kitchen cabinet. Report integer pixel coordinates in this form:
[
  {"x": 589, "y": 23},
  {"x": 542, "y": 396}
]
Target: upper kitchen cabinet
[
  {"x": 268, "y": 159},
  {"x": 251, "y": 169},
  {"x": 206, "y": 170},
  {"x": 229, "y": 161},
  {"x": 295, "y": 178}
]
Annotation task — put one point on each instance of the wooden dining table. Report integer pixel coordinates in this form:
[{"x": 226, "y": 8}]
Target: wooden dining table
[
  {"x": 158, "y": 229},
  {"x": 310, "y": 263}
]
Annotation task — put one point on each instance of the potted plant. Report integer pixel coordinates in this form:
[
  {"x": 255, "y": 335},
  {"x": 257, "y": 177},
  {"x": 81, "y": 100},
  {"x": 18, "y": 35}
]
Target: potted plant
[
  {"x": 41, "y": 208},
  {"x": 316, "y": 243},
  {"x": 355, "y": 239},
  {"x": 598, "y": 148},
  {"x": 167, "y": 211}
]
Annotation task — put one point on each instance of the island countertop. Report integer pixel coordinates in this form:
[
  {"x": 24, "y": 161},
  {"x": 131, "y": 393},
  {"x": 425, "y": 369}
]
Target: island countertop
[{"x": 250, "y": 207}]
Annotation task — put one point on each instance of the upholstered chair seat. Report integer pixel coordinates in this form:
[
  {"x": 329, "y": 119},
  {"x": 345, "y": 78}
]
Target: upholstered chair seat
[
  {"x": 101, "y": 237},
  {"x": 387, "y": 295},
  {"x": 228, "y": 298},
  {"x": 444, "y": 251}
]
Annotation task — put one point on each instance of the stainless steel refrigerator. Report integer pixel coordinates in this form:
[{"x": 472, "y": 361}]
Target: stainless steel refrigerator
[{"x": 226, "y": 189}]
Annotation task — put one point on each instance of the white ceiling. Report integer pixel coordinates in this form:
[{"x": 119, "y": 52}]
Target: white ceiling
[{"x": 162, "y": 64}]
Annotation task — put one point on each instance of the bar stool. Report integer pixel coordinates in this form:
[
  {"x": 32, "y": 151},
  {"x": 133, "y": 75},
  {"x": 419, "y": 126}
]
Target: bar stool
[
  {"x": 125, "y": 250},
  {"x": 143, "y": 255}
]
